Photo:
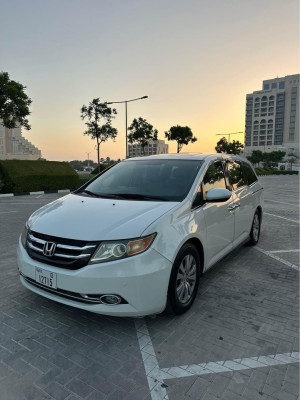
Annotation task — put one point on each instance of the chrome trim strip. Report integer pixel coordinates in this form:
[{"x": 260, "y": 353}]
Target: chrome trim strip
[
  {"x": 33, "y": 247},
  {"x": 70, "y": 256},
  {"x": 67, "y": 247},
  {"x": 37, "y": 240},
  {"x": 61, "y": 246},
  {"x": 258, "y": 190},
  {"x": 59, "y": 293}
]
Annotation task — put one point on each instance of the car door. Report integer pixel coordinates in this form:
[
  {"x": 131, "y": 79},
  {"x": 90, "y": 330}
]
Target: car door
[
  {"x": 243, "y": 211},
  {"x": 218, "y": 216}
]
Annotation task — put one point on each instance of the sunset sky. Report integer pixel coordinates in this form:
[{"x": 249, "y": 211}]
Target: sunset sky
[{"x": 195, "y": 59}]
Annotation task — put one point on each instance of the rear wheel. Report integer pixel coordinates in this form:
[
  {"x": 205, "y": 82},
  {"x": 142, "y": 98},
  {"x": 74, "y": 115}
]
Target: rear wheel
[
  {"x": 255, "y": 229},
  {"x": 184, "y": 280}
]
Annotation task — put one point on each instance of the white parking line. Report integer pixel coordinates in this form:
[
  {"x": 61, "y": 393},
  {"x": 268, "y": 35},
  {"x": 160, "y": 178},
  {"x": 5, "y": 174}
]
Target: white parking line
[
  {"x": 268, "y": 253},
  {"x": 283, "y": 202},
  {"x": 237, "y": 364},
  {"x": 288, "y": 219},
  {"x": 16, "y": 203},
  {"x": 7, "y": 212},
  {"x": 284, "y": 251},
  {"x": 36, "y": 193},
  {"x": 156, "y": 375},
  {"x": 6, "y": 195}
]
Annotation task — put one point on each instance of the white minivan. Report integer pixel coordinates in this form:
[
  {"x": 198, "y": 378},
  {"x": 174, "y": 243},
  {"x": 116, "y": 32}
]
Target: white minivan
[{"x": 135, "y": 240}]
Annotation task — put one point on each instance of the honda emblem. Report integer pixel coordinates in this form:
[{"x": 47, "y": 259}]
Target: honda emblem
[{"x": 49, "y": 249}]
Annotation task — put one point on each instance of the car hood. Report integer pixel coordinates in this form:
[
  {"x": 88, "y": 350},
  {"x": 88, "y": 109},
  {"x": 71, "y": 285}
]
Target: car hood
[{"x": 89, "y": 218}]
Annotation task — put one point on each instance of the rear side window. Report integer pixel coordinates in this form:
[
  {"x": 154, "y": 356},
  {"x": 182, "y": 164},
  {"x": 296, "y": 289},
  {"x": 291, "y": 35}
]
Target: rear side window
[
  {"x": 235, "y": 175},
  {"x": 249, "y": 174},
  {"x": 214, "y": 177}
]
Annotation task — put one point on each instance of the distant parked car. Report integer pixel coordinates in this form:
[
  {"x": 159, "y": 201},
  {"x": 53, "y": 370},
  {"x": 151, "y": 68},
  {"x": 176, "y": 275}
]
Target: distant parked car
[{"x": 134, "y": 240}]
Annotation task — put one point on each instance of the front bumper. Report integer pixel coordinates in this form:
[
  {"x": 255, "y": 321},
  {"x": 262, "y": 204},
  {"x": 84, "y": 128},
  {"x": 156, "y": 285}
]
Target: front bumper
[{"x": 141, "y": 280}]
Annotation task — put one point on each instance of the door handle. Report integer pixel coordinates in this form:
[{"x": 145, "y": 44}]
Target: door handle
[{"x": 231, "y": 208}]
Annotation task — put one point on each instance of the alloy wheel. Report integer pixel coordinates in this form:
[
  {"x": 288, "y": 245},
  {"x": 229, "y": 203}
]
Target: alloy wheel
[
  {"x": 255, "y": 230},
  {"x": 186, "y": 279}
]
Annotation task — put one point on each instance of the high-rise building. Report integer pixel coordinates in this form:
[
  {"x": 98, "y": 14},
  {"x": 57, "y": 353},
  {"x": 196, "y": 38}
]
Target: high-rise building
[
  {"x": 272, "y": 116},
  {"x": 14, "y": 146},
  {"x": 153, "y": 147}
]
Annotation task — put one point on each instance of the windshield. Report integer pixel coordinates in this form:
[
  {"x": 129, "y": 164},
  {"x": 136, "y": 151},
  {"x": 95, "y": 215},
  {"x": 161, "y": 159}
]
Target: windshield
[{"x": 156, "y": 180}]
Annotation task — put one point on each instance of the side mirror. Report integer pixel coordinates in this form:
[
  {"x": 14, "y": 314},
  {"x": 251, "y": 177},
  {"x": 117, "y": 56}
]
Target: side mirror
[{"x": 217, "y": 195}]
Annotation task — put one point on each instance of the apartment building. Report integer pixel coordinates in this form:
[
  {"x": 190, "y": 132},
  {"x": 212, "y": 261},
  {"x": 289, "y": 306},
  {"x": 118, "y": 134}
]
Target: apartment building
[
  {"x": 272, "y": 116},
  {"x": 14, "y": 146},
  {"x": 153, "y": 147}
]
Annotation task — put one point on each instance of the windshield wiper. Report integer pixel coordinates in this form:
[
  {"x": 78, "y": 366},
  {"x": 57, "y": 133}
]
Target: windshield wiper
[
  {"x": 136, "y": 196},
  {"x": 102, "y": 195},
  {"x": 88, "y": 192},
  {"x": 129, "y": 196}
]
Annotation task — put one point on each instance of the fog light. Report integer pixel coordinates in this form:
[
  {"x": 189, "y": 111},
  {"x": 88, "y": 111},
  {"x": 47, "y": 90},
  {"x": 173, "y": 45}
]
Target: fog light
[{"x": 110, "y": 299}]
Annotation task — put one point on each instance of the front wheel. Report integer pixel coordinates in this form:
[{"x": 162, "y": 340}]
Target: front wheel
[
  {"x": 184, "y": 280},
  {"x": 255, "y": 229}
]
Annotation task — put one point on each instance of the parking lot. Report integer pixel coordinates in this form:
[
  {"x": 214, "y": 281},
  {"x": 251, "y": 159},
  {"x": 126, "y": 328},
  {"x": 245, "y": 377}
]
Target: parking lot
[{"x": 240, "y": 340}]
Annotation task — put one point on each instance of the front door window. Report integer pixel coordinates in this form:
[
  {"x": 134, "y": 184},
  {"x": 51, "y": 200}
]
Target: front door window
[
  {"x": 214, "y": 178},
  {"x": 235, "y": 174}
]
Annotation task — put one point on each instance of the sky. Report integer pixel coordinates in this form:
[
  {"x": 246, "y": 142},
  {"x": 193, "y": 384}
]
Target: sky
[{"x": 195, "y": 60}]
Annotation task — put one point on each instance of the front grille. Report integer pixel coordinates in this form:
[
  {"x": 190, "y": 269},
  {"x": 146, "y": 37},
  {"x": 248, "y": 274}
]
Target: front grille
[{"x": 69, "y": 253}]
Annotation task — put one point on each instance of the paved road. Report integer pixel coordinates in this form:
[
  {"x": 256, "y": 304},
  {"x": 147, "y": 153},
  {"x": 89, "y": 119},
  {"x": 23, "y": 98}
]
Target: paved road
[{"x": 239, "y": 340}]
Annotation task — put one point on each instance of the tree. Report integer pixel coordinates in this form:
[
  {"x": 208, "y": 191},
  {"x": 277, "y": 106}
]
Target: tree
[
  {"x": 276, "y": 156},
  {"x": 183, "y": 135},
  {"x": 273, "y": 157},
  {"x": 141, "y": 132},
  {"x": 292, "y": 158},
  {"x": 14, "y": 103},
  {"x": 256, "y": 157},
  {"x": 223, "y": 146},
  {"x": 94, "y": 113}
]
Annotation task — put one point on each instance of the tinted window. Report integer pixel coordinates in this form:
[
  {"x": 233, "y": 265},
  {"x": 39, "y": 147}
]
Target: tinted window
[
  {"x": 249, "y": 174},
  {"x": 235, "y": 174},
  {"x": 214, "y": 178},
  {"x": 170, "y": 180}
]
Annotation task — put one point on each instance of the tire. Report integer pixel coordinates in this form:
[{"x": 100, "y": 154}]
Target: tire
[
  {"x": 255, "y": 229},
  {"x": 184, "y": 280}
]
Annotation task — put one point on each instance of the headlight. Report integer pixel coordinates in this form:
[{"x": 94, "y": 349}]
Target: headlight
[
  {"x": 116, "y": 250},
  {"x": 24, "y": 235}
]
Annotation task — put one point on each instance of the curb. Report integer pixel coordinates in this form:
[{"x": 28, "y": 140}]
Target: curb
[{"x": 35, "y": 193}]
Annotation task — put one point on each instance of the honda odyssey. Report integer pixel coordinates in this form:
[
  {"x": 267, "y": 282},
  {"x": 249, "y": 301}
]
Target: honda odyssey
[{"x": 135, "y": 240}]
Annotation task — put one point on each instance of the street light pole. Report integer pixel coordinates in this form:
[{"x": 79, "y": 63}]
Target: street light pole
[
  {"x": 228, "y": 134},
  {"x": 126, "y": 129},
  {"x": 126, "y": 101}
]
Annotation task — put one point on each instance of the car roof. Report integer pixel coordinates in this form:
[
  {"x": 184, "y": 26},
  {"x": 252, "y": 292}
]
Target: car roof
[{"x": 185, "y": 156}]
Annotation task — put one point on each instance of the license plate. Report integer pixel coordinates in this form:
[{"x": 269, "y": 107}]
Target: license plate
[{"x": 46, "y": 278}]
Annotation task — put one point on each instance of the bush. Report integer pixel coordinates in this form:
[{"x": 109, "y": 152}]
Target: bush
[
  {"x": 259, "y": 170},
  {"x": 288, "y": 172},
  {"x": 84, "y": 178},
  {"x": 273, "y": 171},
  {"x": 29, "y": 176},
  {"x": 102, "y": 168}
]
